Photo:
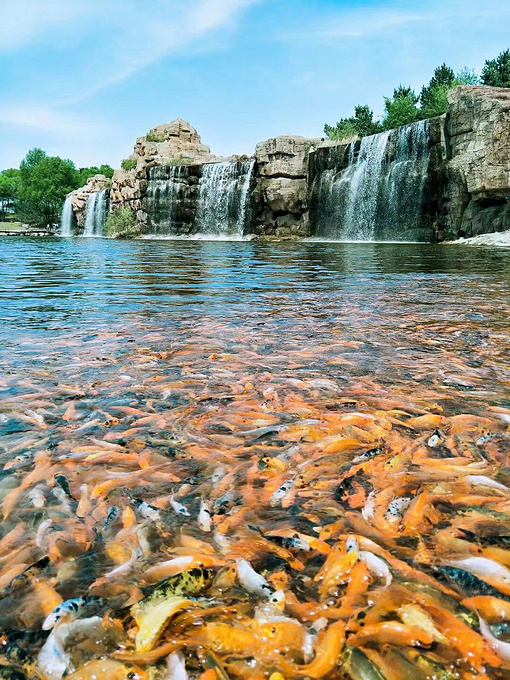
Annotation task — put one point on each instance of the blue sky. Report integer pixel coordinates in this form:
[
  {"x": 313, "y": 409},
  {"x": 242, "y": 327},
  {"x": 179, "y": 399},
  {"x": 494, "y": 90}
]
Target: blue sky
[{"x": 83, "y": 78}]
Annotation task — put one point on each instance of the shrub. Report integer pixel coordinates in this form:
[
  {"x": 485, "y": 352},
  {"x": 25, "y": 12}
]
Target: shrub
[
  {"x": 128, "y": 164},
  {"x": 154, "y": 137},
  {"x": 122, "y": 223},
  {"x": 182, "y": 160}
]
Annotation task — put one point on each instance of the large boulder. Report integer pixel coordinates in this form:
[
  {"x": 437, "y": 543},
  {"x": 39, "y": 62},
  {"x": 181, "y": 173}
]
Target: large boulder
[
  {"x": 282, "y": 187},
  {"x": 478, "y": 133}
]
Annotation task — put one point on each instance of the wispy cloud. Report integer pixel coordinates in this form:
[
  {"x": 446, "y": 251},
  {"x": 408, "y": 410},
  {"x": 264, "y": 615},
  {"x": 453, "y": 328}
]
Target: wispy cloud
[
  {"x": 369, "y": 23},
  {"x": 108, "y": 45}
]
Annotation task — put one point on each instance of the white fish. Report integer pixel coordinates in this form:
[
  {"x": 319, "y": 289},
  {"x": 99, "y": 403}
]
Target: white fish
[
  {"x": 351, "y": 544},
  {"x": 280, "y": 493},
  {"x": 178, "y": 508},
  {"x": 376, "y": 565},
  {"x": 37, "y": 497},
  {"x": 124, "y": 568},
  {"x": 44, "y": 528},
  {"x": 368, "y": 509},
  {"x": 273, "y": 607},
  {"x": 483, "y": 567},
  {"x": 205, "y": 516},
  {"x": 434, "y": 440},
  {"x": 397, "y": 507},
  {"x": 142, "y": 535},
  {"x": 148, "y": 512},
  {"x": 221, "y": 540},
  {"x": 36, "y": 416},
  {"x": 62, "y": 498},
  {"x": 53, "y": 660},
  {"x": 218, "y": 474},
  {"x": 176, "y": 667},
  {"x": 500, "y": 648},
  {"x": 482, "y": 480},
  {"x": 252, "y": 581}
]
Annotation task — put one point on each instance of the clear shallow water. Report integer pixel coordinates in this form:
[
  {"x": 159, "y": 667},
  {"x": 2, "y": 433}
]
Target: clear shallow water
[{"x": 280, "y": 363}]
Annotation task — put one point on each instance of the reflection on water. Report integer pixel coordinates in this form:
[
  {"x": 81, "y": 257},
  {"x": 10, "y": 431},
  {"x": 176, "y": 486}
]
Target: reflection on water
[{"x": 336, "y": 414}]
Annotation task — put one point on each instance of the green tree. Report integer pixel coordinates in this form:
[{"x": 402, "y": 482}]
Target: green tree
[
  {"x": 45, "y": 182},
  {"x": 467, "y": 76},
  {"x": 359, "y": 125},
  {"x": 442, "y": 80},
  {"x": 496, "y": 72},
  {"x": 9, "y": 188},
  {"x": 85, "y": 173},
  {"x": 401, "y": 109}
]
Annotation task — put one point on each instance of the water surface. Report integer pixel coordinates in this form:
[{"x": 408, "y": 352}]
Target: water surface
[{"x": 296, "y": 387}]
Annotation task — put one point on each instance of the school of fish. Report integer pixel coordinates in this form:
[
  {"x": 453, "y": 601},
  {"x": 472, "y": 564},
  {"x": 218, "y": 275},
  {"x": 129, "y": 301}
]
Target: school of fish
[{"x": 231, "y": 503}]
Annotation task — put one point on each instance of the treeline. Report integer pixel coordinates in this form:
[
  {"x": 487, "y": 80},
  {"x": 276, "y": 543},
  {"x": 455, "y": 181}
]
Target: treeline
[
  {"x": 405, "y": 106},
  {"x": 35, "y": 192}
]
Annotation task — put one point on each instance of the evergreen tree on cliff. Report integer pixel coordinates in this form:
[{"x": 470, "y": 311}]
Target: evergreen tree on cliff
[
  {"x": 434, "y": 96},
  {"x": 401, "y": 109},
  {"x": 359, "y": 125},
  {"x": 496, "y": 72}
]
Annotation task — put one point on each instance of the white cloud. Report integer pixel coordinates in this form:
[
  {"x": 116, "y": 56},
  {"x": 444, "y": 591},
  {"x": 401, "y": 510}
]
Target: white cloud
[
  {"x": 114, "y": 40},
  {"x": 379, "y": 22}
]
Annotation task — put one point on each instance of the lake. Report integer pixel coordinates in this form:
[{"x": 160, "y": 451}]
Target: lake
[{"x": 333, "y": 416}]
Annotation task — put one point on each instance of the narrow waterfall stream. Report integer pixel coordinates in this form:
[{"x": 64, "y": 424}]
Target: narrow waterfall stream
[
  {"x": 67, "y": 218},
  {"x": 95, "y": 213},
  {"x": 373, "y": 189}
]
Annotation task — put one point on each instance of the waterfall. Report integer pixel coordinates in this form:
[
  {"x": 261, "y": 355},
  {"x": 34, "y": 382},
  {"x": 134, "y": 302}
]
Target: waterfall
[
  {"x": 223, "y": 194},
  {"x": 95, "y": 213},
  {"x": 212, "y": 199},
  {"x": 373, "y": 189},
  {"x": 67, "y": 218},
  {"x": 168, "y": 200}
]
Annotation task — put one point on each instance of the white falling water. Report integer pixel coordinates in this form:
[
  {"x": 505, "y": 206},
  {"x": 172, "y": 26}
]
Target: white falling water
[
  {"x": 405, "y": 181},
  {"x": 166, "y": 195},
  {"x": 67, "y": 218},
  {"x": 95, "y": 213},
  {"x": 378, "y": 194},
  {"x": 359, "y": 220},
  {"x": 223, "y": 198}
]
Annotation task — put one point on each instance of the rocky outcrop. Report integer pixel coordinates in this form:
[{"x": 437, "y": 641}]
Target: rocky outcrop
[
  {"x": 80, "y": 196},
  {"x": 478, "y": 150},
  {"x": 459, "y": 188},
  {"x": 282, "y": 186},
  {"x": 175, "y": 143}
]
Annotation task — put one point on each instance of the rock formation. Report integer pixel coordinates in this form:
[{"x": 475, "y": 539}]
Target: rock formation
[
  {"x": 175, "y": 143},
  {"x": 478, "y": 150},
  {"x": 79, "y": 196},
  {"x": 462, "y": 169},
  {"x": 282, "y": 186}
]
